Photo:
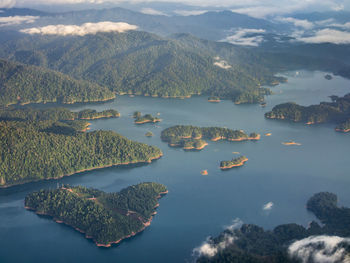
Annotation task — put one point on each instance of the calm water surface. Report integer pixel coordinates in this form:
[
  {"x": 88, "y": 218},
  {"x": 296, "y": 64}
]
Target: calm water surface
[{"x": 197, "y": 206}]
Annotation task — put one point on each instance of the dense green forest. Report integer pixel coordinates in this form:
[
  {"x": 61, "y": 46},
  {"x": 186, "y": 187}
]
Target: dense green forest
[
  {"x": 24, "y": 84},
  {"x": 53, "y": 114},
  {"x": 337, "y": 111},
  {"x": 36, "y": 150},
  {"x": 141, "y": 63},
  {"x": 105, "y": 217},
  {"x": 235, "y": 162},
  {"x": 251, "y": 243}
]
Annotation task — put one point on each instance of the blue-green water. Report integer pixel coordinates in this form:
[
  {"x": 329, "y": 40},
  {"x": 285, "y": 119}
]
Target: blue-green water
[{"x": 197, "y": 206}]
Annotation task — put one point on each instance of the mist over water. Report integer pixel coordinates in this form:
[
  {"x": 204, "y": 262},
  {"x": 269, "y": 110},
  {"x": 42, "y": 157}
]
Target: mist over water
[{"x": 197, "y": 206}]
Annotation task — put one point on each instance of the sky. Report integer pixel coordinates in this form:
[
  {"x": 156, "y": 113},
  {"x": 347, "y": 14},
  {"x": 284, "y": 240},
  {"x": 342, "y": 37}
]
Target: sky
[{"x": 256, "y": 8}]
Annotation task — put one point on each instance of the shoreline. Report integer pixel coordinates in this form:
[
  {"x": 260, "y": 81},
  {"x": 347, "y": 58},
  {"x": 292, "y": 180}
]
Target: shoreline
[
  {"x": 109, "y": 244},
  {"x": 237, "y": 140},
  {"x": 148, "y": 121},
  {"x": 99, "y": 117},
  {"x": 86, "y": 170},
  {"x": 342, "y": 130},
  {"x": 194, "y": 148},
  {"x": 234, "y": 165}
]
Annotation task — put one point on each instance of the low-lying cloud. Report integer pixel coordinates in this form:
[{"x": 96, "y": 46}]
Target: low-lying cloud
[
  {"x": 296, "y": 22},
  {"x": 221, "y": 63},
  {"x": 327, "y": 36},
  {"x": 210, "y": 249},
  {"x": 16, "y": 20},
  {"x": 321, "y": 249},
  {"x": 190, "y": 12},
  {"x": 268, "y": 206},
  {"x": 151, "y": 11},
  {"x": 246, "y": 37},
  {"x": 84, "y": 29}
]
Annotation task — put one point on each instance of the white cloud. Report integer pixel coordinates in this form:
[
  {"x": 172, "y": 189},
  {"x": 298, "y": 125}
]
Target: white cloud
[
  {"x": 267, "y": 206},
  {"x": 343, "y": 26},
  {"x": 338, "y": 7},
  {"x": 7, "y": 3},
  {"x": 242, "y": 37},
  {"x": 209, "y": 248},
  {"x": 16, "y": 20},
  {"x": 84, "y": 29},
  {"x": 321, "y": 249},
  {"x": 297, "y": 22},
  {"x": 151, "y": 11},
  {"x": 222, "y": 64},
  {"x": 327, "y": 36},
  {"x": 190, "y": 12}
]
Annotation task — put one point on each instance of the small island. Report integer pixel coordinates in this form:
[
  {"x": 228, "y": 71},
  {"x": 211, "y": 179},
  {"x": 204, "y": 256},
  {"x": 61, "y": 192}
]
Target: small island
[
  {"x": 291, "y": 143},
  {"x": 235, "y": 162},
  {"x": 192, "y": 137},
  {"x": 328, "y": 77},
  {"x": 214, "y": 99},
  {"x": 147, "y": 118},
  {"x": 149, "y": 134},
  {"x": 106, "y": 218}
]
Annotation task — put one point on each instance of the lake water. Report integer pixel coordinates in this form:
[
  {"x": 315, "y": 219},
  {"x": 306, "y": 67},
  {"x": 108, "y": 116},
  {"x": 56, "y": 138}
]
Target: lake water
[{"x": 197, "y": 206}]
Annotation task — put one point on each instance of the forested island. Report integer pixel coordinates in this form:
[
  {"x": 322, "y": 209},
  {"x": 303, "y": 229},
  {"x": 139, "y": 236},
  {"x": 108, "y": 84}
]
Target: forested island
[
  {"x": 147, "y": 118},
  {"x": 23, "y": 84},
  {"x": 107, "y": 218},
  {"x": 235, "y": 162},
  {"x": 53, "y": 114},
  {"x": 337, "y": 111},
  {"x": 192, "y": 137},
  {"x": 50, "y": 149},
  {"x": 251, "y": 243}
]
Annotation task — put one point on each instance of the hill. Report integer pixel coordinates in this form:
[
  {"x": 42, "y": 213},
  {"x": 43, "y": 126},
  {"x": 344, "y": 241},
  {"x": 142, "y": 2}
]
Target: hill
[{"x": 25, "y": 84}]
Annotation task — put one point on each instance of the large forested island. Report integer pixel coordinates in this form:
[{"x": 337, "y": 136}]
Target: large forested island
[
  {"x": 192, "y": 137},
  {"x": 25, "y": 84},
  {"x": 49, "y": 147},
  {"x": 235, "y": 162},
  {"x": 107, "y": 218},
  {"x": 337, "y": 111},
  {"x": 53, "y": 114},
  {"x": 251, "y": 243}
]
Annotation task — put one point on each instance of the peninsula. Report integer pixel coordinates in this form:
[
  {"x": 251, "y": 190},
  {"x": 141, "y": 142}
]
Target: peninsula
[
  {"x": 106, "y": 218},
  {"x": 337, "y": 111},
  {"x": 192, "y": 137},
  {"x": 235, "y": 162}
]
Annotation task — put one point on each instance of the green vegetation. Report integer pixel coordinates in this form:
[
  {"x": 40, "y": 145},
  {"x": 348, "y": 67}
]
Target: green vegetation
[
  {"x": 253, "y": 244},
  {"x": 149, "y": 134},
  {"x": 337, "y": 111},
  {"x": 54, "y": 114},
  {"x": 29, "y": 84},
  {"x": 141, "y": 63},
  {"x": 93, "y": 114},
  {"x": 105, "y": 217},
  {"x": 235, "y": 162},
  {"x": 137, "y": 115},
  {"x": 192, "y": 136},
  {"x": 31, "y": 151},
  {"x": 147, "y": 118}
]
